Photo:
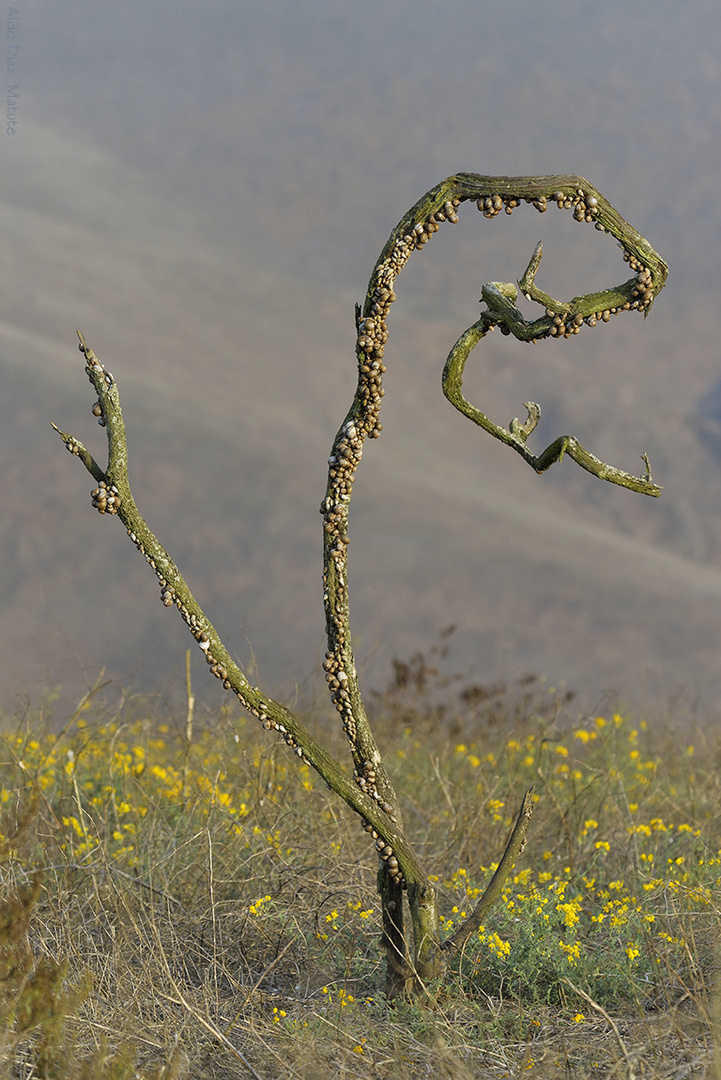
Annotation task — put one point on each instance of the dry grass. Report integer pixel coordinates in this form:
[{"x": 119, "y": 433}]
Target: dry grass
[{"x": 211, "y": 912}]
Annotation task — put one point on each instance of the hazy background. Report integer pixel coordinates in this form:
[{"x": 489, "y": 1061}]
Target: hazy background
[{"x": 202, "y": 189}]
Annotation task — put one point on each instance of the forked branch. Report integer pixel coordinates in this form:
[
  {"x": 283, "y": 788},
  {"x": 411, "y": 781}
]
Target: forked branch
[
  {"x": 112, "y": 496},
  {"x": 492, "y": 195},
  {"x": 370, "y": 792},
  {"x": 501, "y": 311}
]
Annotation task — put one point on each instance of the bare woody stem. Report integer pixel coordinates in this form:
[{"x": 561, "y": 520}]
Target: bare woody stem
[
  {"x": 514, "y": 847},
  {"x": 492, "y": 195},
  {"x": 370, "y": 793},
  {"x": 113, "y": 497},
  {"x": 452, "y": 382}
]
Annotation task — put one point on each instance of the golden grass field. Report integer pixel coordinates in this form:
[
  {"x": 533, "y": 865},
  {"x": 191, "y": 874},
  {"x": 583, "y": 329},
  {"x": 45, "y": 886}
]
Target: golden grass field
[{"x": 206, "y": 908}]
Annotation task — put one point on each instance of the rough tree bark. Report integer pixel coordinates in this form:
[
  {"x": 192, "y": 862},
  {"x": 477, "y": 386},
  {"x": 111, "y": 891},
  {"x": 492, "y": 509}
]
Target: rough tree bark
[{"x": 412, "y": 959}]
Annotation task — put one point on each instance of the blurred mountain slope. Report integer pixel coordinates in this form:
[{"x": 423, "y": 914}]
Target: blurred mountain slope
[{"x": 204, "y": 193}]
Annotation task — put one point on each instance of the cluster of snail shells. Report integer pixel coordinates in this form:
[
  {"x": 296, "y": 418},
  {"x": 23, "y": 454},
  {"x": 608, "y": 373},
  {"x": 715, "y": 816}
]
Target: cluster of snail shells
[
  {"x": 337, "y": 680},
  {"x": 348, "y": 448},
  {"x": 106, "y": 499},
  {"x": 95, "y": 368},
  {"x": 448, "y": 213},
  {"x": 369, "y": 775},
  {"x": 365, "y": 778},
  {"x": 371, "y": 341},
  {"x": 347, "y": 452},
  {"x": 372, "y": 328},
  {"x": 643, "y": 289},
  {"x": 338, "y": 683},
  {"x": 566, "y": 326},
  {"x": 216, "y": 668},
  {"x": 342, "y": 465},
  {"x": 415, "y": 236},
  {"x": 98, "y": 411},
  {"x": 385, "y": 852},
  {"x": 584, "y": 206},
  {"x": 491, "y": 205},
  {"x": 269, "y": 724},
  {"x": 167, "y": 592}
]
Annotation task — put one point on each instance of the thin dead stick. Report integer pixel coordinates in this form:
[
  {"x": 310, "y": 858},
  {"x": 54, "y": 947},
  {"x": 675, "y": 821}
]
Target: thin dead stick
[
  {"x": 263, "y": 975},
  {"x": 188, "y": 724},
  {"x": 610, "y": 1021},
  {"x": 514, "y": 847},
  {"x": 211, "y": 1027},
  {"x": 208, "y": 1024}
]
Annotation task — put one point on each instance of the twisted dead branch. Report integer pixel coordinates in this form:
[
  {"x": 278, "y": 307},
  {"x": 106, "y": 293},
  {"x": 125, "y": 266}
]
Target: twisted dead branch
[{"x": 370, "y": 792}]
